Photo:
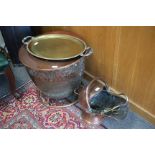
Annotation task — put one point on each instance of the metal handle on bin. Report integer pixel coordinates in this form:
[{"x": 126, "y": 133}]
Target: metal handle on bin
[
  {"x": 26, "y": 40},
  {"x": 125, "y": 97},
  {"x": 87, "y": 52}
]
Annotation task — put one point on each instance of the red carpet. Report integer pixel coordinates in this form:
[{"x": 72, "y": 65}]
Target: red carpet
[{"x": 29, "y": 113}]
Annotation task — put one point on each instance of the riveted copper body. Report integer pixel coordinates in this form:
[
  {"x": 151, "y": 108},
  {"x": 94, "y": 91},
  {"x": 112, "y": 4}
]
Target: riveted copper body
[{"x": 55, "y": 82}]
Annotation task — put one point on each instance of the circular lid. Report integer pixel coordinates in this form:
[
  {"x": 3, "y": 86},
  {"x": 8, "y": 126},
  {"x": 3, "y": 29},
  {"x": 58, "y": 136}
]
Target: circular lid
[{"x": 56, "y": 46}]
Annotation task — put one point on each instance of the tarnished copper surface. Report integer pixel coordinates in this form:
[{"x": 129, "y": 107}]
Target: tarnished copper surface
[
  {"x": 56, "y": 82},
  {"x": 84, "y": 97},
  {"x": 46, "y": 101},
  {"x": 92, "y": 118}
]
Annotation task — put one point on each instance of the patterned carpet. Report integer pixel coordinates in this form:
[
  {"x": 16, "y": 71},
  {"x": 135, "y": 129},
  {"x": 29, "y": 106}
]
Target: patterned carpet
[{"x": 29, "y": 113}]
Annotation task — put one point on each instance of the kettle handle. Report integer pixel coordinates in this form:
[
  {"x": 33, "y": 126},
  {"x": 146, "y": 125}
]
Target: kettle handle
[{"x": 89, "y": 87}]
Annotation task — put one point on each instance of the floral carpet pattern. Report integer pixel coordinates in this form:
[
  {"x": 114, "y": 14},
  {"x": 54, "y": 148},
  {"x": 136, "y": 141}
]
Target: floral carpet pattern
[{"x": 29, "y": 113}]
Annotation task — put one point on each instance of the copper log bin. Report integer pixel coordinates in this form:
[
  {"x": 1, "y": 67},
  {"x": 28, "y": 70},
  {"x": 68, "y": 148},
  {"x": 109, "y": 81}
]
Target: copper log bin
[
  {"x": 54, "y": 78},
  {"x": 53, "y": 82}
]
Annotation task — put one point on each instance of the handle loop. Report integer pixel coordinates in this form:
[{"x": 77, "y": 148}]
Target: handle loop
[
  {"x": 87, "y": 52},
  {"x": 26, "y": 40}
]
